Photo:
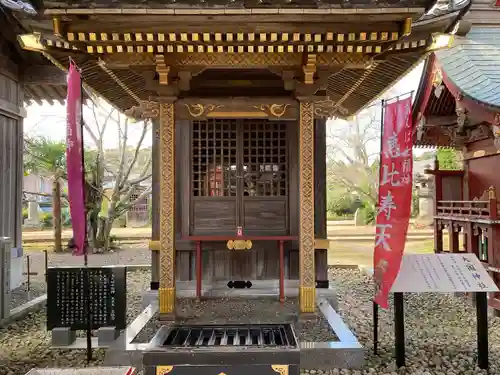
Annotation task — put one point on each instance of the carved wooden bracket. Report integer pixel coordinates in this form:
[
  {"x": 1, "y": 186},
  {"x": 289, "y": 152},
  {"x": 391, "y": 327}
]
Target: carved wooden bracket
[
  {"x": 146, "y": 109},
  {"x": 327, "y": 109},
  {"x": 463, "y": 135},
  {"x": 462, "y": 117},
  {"x": 162, "y": 69},
  {"x": 496, "y": 131},
  {"x": 309, "y": 69}
]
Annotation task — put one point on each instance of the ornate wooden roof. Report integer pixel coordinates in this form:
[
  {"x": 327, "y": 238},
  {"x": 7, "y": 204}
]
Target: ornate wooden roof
[
  {"x": 472, "y": 65},
  {"x": 460, "y": 89},
  {"x": 41, "y": 80},
  {"x": 347, "y": 55},
  {"x": 235, "y": 4}
]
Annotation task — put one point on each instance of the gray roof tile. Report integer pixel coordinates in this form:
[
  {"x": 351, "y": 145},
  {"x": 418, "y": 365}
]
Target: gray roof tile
[{"x": 473, "y": 64}]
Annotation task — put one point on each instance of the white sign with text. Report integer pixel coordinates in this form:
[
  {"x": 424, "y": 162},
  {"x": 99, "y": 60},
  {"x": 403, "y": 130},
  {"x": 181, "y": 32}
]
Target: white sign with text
[{"x": 442, "y": 273}]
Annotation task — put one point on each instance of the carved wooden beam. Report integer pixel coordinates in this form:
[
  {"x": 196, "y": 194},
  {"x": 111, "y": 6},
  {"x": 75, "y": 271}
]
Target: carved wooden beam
[
  {"x": 271, "y": 108},
  {"x": 44, "y": 74},
  {"x": 184, "y": 80},
  {"x": 234, "y": 60}
]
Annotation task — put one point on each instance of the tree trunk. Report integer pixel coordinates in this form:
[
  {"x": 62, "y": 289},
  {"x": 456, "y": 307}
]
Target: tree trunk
[
  {"x": 93, "y": 224},
  {"x": 56, "y": 215},
  {"x": 104, "y": 233},
  {"x": 107, "y": 234}
]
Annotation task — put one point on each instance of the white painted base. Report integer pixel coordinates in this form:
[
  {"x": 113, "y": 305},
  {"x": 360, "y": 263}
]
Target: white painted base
[{"x": 16, "y": 268}]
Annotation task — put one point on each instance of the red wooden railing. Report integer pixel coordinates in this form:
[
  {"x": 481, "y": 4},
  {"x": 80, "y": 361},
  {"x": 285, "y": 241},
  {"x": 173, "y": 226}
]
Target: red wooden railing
[
  {"x": 470, "y": 209},
  {"x": 467, "y": 214}
]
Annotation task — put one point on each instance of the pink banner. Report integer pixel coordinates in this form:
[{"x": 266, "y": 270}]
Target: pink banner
[
  {"x": 74, "y": 157},
  {"x": 394, "y": 196}
]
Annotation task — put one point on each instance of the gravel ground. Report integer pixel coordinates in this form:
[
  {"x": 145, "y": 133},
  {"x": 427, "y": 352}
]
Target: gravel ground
[
  {"x": 26, "y": 344},
  {"x": 440, "y": 333},
  {"x": 21, "y": 295},
  {"x": 130, "y": 255},
  {"x": 245, "y": 311}
]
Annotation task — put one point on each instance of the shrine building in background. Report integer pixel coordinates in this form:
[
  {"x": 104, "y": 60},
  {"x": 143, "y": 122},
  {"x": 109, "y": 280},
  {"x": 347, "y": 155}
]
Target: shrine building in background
[{"x": 458, "y": 106}]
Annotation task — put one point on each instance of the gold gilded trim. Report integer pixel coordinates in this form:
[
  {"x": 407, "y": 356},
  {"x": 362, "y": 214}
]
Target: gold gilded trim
[
  {"x": 280, "y": 369},
  {"x": 163, "y": 370},
  {"x": 167, "y": 299},
  {"x": 198, "y": 110},
  {"x": 321, "y": 244},
  {"x": 154, "y": 245},
  {"x": 307, "y": 299},
  {"x": 230, "y": 114},
  {"x": 276, "y": 110},
  {"x": 239, "y": 244}
]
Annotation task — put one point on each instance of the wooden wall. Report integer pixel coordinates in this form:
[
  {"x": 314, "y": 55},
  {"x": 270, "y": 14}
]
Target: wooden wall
[
  {"x": 482, "y": 171},
  {"x": 11, "y": 146}
]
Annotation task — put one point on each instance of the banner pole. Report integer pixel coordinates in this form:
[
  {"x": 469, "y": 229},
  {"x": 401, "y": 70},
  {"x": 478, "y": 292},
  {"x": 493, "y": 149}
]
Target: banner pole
[
  {"x": 375, "y": 304},
  {"x": 375, "y": 328},
  {"x": 399, "y": 329},
  {"x": 86, "y": 281}
]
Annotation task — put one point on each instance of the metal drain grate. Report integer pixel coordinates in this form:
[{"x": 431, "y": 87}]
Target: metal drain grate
[{"x": 268, "y": 335}]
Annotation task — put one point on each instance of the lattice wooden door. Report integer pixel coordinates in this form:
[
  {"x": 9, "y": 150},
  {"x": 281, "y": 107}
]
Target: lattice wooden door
[{"x": 239, "y": 176}]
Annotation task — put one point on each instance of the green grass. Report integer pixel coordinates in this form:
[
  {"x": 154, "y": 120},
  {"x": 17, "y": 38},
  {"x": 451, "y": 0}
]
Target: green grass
[{"x": 353, "y": 253}]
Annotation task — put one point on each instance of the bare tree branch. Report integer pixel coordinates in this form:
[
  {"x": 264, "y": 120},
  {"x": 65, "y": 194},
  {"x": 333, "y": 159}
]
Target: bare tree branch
[{"x": 136, "y": 153}]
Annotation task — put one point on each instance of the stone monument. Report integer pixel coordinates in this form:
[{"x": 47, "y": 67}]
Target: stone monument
[
  {"x": 425, "y": 192},
  {"x": 33, "y": 220}
]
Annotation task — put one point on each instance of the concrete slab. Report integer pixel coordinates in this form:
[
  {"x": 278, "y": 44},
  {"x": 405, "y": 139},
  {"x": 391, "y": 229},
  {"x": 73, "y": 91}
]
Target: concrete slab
[
  {"x": 85, "y": 371},
  {"x": 347, "y": 352},
  {"x": 21, "y": 311}
]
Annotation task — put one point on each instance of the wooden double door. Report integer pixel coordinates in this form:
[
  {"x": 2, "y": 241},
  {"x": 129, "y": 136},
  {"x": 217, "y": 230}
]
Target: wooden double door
[{"x": 239, "y": 177}]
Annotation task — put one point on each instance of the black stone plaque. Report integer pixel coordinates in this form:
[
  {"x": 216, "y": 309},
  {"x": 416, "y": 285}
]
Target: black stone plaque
[{"x": 66, "y": 302}]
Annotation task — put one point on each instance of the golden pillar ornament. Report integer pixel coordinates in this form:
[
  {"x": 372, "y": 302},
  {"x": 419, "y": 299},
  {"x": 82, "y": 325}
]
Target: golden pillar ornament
[
  {"x": 167, "y": 211},
  {"x": 307, "y": 295}
]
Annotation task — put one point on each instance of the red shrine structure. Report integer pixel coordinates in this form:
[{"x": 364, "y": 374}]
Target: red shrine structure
[{"x": 458, "y": 105}]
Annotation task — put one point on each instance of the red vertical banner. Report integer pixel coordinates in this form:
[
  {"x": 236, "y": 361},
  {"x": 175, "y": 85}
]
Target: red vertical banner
[
  {"x": 394, "y": 196},
  {"x": 74, "y": 158}
]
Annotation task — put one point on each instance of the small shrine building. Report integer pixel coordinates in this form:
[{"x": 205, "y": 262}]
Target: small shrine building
[{"x": 239, "y": 93}]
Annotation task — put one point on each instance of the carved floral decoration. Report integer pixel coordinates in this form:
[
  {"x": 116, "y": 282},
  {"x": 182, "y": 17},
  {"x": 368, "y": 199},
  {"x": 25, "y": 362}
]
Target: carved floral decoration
[
  {"x": 197, "y": 110},
  {"x": 274, "y": 110},
  {"x": 437, "y": 82},
  {"x": 496, "y": 131}
]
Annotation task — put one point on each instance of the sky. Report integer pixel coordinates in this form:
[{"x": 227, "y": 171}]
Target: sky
[{"x": 49, "y": 120}]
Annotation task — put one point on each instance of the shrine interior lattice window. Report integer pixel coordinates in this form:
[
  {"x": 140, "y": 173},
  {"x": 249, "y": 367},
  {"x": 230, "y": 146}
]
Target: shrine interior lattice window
[
  {"x": 264, "y": 158},
  {"x": 239, "y": 158},
  {"x": 214, "y": 153}
]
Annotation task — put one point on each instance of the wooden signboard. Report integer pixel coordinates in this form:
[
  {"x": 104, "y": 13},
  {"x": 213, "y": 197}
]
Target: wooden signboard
[{"x": 442, "y": 273}]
